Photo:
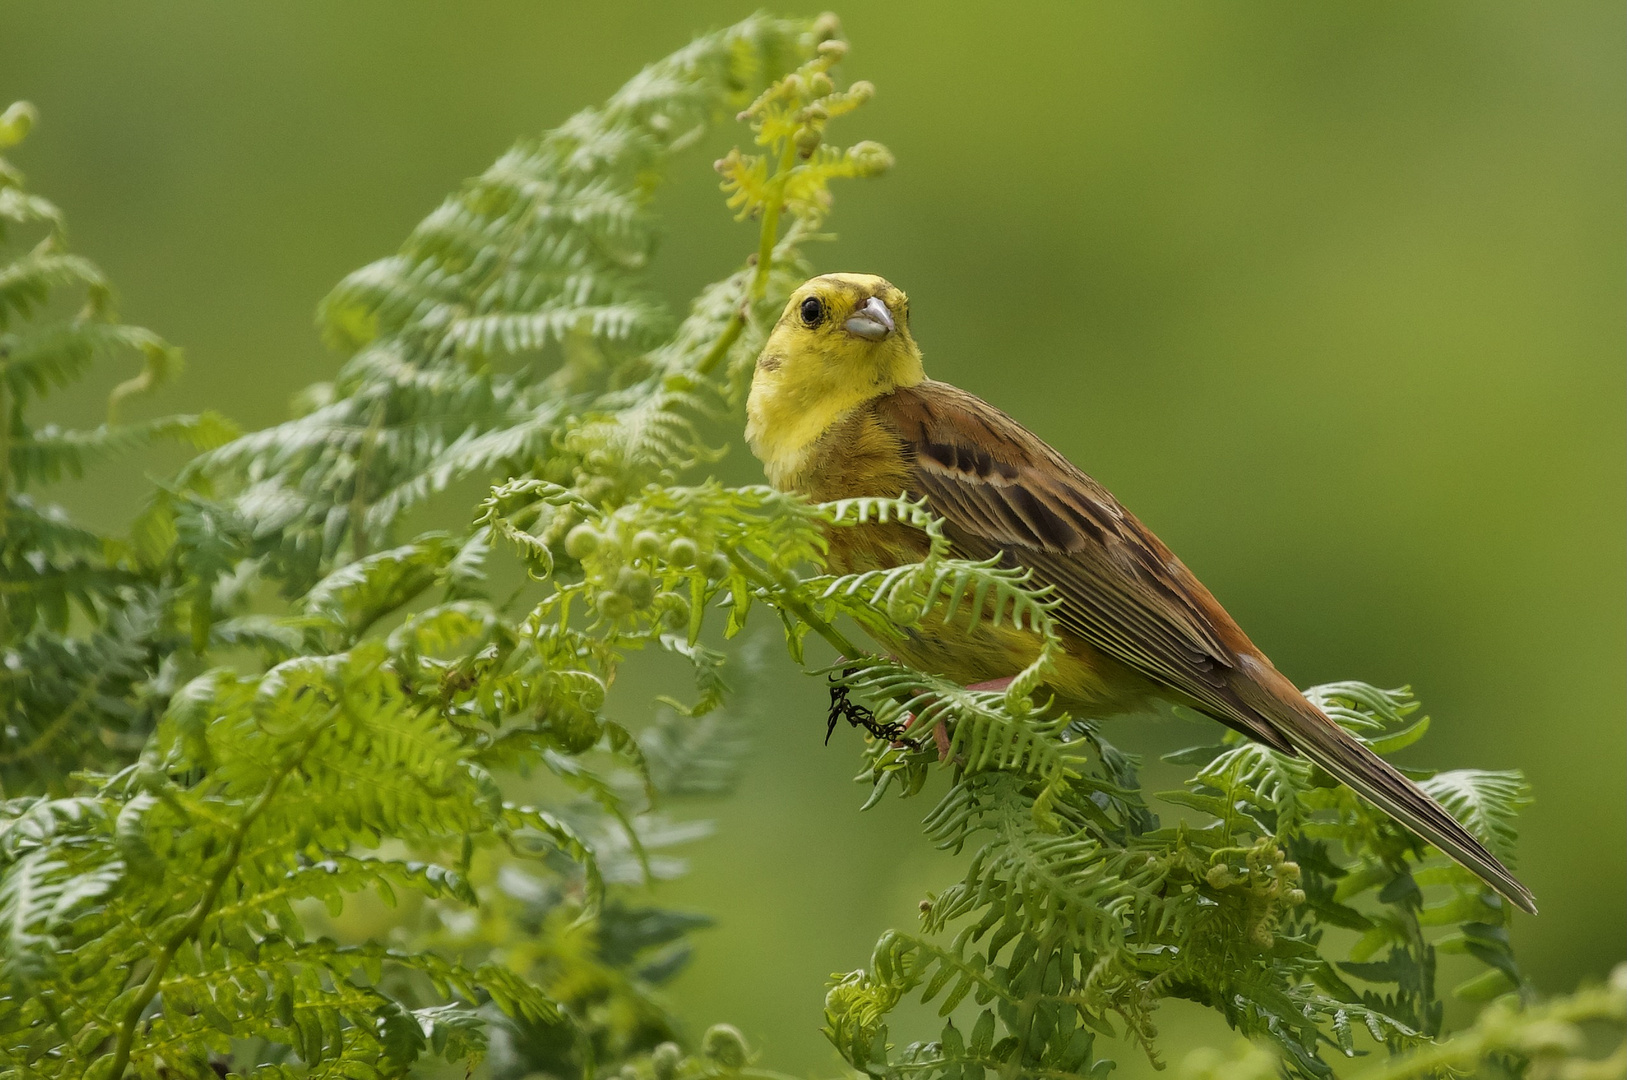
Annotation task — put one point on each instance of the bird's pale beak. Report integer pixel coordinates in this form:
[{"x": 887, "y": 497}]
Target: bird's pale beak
[{"x": 872, "y": 321}]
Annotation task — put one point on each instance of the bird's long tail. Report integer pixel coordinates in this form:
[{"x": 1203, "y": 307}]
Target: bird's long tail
[{"x": 1317, "y": 737}]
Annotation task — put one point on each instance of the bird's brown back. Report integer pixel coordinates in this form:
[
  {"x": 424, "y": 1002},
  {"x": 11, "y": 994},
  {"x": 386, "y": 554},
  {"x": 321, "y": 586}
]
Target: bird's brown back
[{"x": 1002, "y": 491}]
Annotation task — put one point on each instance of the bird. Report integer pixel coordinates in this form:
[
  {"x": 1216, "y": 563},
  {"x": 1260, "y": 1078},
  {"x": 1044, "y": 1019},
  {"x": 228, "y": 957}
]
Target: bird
[{"x": 840, "y": 407}]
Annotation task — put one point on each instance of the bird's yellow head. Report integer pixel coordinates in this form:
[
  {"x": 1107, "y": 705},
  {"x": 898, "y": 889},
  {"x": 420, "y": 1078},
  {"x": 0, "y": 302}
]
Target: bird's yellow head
[{"x": 842, "y": 340}]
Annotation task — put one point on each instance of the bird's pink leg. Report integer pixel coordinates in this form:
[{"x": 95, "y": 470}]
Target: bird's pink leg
[{"x": 940, "y": 731}]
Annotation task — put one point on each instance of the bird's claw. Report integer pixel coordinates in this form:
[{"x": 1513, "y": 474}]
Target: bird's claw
[
  {"x": 940, "y": 736},
  {"x": 940, "y": 730}
]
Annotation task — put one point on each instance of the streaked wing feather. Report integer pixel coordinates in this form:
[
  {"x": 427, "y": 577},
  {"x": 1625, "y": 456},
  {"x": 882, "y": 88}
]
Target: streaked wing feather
[{"x": 1000, "y": 489}]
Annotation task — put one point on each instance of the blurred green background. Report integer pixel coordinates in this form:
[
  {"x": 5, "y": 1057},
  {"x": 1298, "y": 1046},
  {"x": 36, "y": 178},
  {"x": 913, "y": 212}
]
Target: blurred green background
[{"x": 1332, "y": 295}]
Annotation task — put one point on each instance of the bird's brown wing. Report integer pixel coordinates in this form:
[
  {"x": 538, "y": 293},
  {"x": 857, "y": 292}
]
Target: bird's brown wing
[{"x": 1000, "y": 489}]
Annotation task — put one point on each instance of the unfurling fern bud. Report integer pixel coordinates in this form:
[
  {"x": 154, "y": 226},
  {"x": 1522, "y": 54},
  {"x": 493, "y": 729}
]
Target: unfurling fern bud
[
  {"x": 646, "y": 544},
  {"x": 724, "y": 1044},
  {"x": 591, "y": 695},
  {"x": 582, "y": 541},
  {"x": 683, "y": 553},
  {"x": 665, "y": 1059},
  {"x": 572, "y": 728},
  {"x": 595, "y": 489},
  {"x": 904, "y": 607},
  {"x": 613, "y": 604},
  {"x": 808, "y": 140},
  {"x": 16, "y": 122},
  {"x": 718, "y": 566},
  {"x": 637, "y": 586},
  {"x": 869, "y": 158},
  {"x": 675, "y": 611}
]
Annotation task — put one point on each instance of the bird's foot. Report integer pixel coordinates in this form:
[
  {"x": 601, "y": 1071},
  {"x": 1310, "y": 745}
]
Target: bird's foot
[
  {"x": 843, "y": 707},
  {"x": 940, "y": 730}
]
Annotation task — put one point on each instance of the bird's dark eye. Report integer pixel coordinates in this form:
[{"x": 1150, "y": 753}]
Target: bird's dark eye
[{"x": 813, "y": 311}]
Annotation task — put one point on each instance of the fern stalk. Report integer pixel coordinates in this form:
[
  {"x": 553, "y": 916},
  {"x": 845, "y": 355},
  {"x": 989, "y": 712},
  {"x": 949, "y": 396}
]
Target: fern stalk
[
  {"x": 189, "y": 929},
  {"x": 63, "y": 721},
  {"x": 785, "y": 590},
  {"x": 358, "y": 494},
  {"x": 771, "y": 219},
  {"x": 768, "y": 235}
]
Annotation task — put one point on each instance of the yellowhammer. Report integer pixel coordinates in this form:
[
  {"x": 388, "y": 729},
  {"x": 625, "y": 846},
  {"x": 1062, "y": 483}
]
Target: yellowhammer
[{"x": 840, "y": 406}]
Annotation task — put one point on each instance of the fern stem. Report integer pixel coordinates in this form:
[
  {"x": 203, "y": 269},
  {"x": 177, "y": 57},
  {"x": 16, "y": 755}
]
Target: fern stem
[
  {"x": 725, "y": 341},
  {"x": 206, "y": 903},
  {"x": 767, "y": 236},
  {"x": 771, "y": 220},
  {"x": 1023, "y": 1029},
  {"x": 358, "y": 494},
  {"x": 786, "y": 594},
  {"x": 49, "y": 734}
]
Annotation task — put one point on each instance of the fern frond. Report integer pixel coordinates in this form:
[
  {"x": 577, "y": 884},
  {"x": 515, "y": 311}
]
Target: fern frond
[
  {"x": 18, "y": 207},
  {"x": 54, "y": 355},
  {"x": 47, "y": 455},
  {"x": 356, "y": 595},
  {"x": 29, "y": 280},
  {"x": 690, "y": 757},
  {"x": 1486, "y": 803}
]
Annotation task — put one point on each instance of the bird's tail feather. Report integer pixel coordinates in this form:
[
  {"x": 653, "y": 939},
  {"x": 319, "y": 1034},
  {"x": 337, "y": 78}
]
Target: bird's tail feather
[{"x": 1342, "y": 755}]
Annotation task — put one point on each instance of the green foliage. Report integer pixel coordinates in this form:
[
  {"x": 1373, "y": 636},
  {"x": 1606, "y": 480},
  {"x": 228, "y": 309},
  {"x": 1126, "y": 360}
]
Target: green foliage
[
  {"x": 1077, "y": 906},
  {"x": 1079, "y": 912},
  {"x": 198, "y": 854},
  {"x": 71, "y": 687},
  {"x": 376, "y": 730},
  {"x": 342, "y": 708},
  {"x": 1558, "y": 1039}
]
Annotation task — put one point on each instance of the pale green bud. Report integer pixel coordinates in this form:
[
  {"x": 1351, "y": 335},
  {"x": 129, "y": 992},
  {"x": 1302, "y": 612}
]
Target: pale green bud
[
  {"x": 665, "y": 1059},
  {"x": 683, "y": 552},
  {"x": 724, "y": 1044},
  {"x": 637, "y": 586},
  {"x": 870, "y": 158},
  {"x": 16, "y": 122},
  {"x": 808, "y": 140},
  {"x": 582, "y": 541}
]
